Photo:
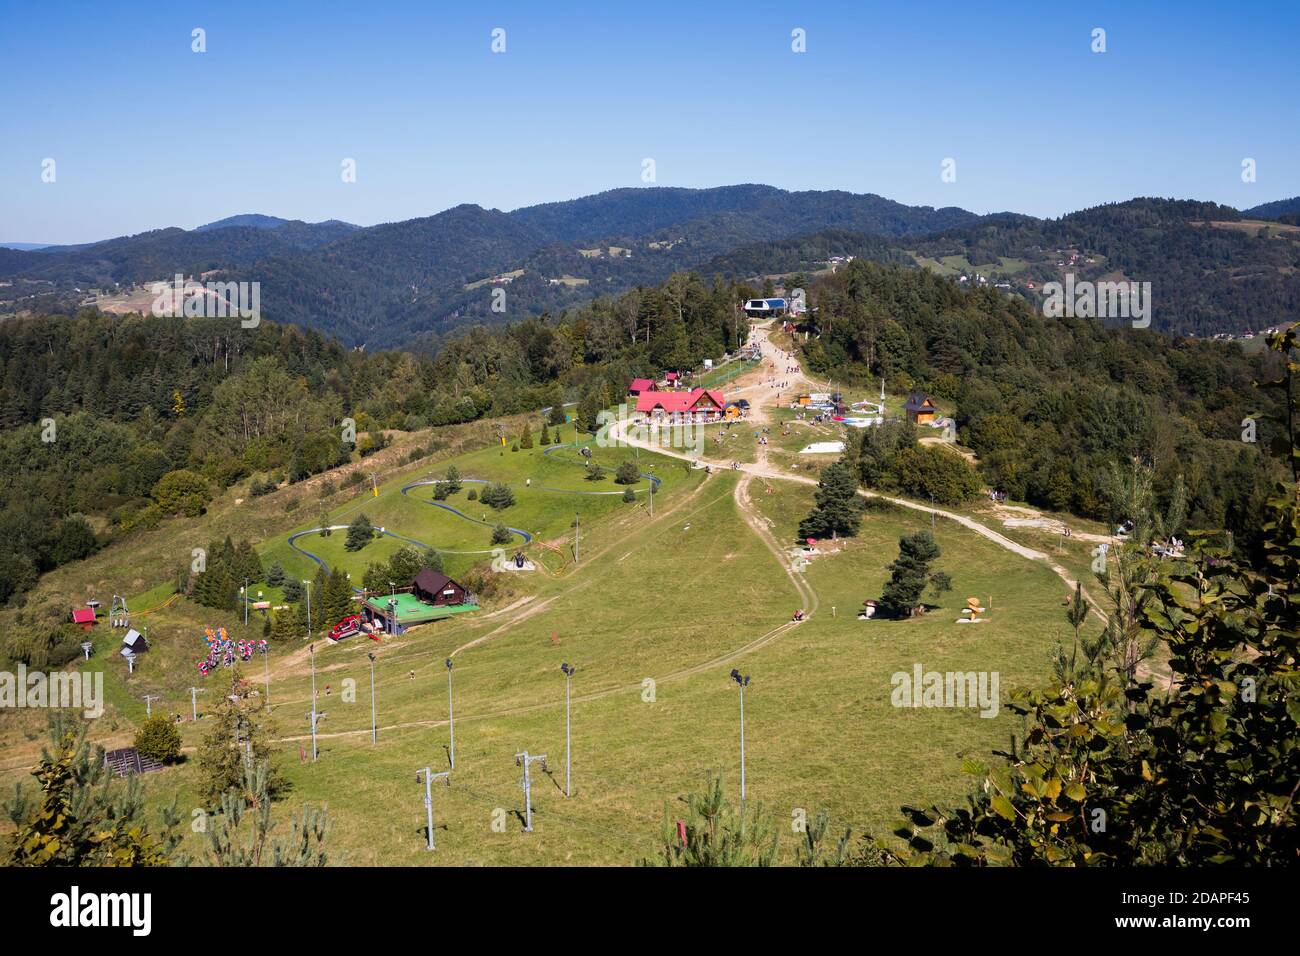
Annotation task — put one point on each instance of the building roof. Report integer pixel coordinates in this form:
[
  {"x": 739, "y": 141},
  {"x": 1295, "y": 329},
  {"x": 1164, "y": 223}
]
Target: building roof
[
  {"x": 83, "y": 615},
  {"x": 134, "y": 642},
  {"x": 411, "y": 610},
  {"x": 431, "y": 581},
  {"x": 919, "y": 402},
  {"x": 641, "y": 385},
  {"x": 671, "y": 376},
  {"x": 672, "y": 402}
]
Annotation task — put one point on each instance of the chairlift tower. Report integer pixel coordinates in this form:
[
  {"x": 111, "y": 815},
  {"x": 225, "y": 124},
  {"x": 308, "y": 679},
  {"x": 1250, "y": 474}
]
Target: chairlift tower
[
  {"x": 429, "y": 777},
  {"x": 526, "y": 761},
  {"x": 118, "y": 615}
]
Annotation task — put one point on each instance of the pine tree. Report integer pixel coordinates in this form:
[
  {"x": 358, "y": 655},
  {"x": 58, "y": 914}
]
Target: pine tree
[
  {"x": 237, "y": 739},
  {"x": 526, "y": 436},
  {"x": 360, "y": 532},
  {"x": 84, "y": 816},
  {"x": 546, "y": 434},
  {"x": 284, "y": 625},
  {"x": 837, "y": 508},
  {"x": 910, "y": 574},
  {"x": 227, "y": 847},
  {"x": 337, "y": 603}
]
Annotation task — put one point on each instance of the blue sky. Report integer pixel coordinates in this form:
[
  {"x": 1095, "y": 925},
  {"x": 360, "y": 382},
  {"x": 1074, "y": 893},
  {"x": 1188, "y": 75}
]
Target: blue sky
[{"x": 146, "y": 133}]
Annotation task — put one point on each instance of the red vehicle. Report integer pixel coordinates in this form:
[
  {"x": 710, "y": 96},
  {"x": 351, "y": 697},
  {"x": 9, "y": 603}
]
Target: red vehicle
[{"x": 346, "y": 628}]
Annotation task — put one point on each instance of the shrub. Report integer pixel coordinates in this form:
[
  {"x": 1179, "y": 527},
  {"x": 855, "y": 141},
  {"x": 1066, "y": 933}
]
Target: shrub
[
  {"x": 501, "y": 535},
  {"x": 473, "y": 495},
  {"x": 628, "y": 473},
  {"x": 629, "y": 495},
  {"x": 158, "y": 738},
  {"x": 182, "y": 492}
]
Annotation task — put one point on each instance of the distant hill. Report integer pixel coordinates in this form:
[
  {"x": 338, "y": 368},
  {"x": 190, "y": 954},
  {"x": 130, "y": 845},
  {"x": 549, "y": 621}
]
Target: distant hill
[
  {"x": 412, "y": 282},
  {"x": 1274, "y": 210},
  {"x": 23, "y": 246}
]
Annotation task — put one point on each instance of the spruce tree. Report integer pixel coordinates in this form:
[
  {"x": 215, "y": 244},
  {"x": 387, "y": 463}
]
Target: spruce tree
[
  {"x": 360, "y": 532},
  {"x": 238, "y": 738},
  {"x": 910, "y": 574},
  {"x": 837, "y": 509}
]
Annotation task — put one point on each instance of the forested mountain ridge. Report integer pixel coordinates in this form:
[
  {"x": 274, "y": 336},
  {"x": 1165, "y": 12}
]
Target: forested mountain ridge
[
  {"x": 1274, "y": 210},
  {"x": 413, "y": 282}
]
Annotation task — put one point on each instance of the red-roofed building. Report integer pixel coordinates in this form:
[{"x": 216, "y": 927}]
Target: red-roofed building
[
  {"x": 640, "y": 385},
  {"x": 85, "y": 616},
  {"x": 696, "y": 405},
  {"x": 671, "y": 378}
]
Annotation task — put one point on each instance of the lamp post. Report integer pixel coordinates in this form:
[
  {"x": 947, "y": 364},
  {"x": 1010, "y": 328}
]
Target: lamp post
[
  {"x": 374, "y": 727},
  {"x": 148, "y": 704},
  {"x": 429, "y": 777},
  {"x": 244, "y": 592},
  {"x": 743, "y": 682},
  {"x": 451, "y": 718},
  {"x": 568, "y": 670},
  {"x": 315, "y": 719},
  {"x": 308, "y": 583},
  {"x": 266, "y": 667}
]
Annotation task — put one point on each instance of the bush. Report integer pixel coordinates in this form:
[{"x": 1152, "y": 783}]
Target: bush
[
  {"x": 595, "y": 472},
  {"x": 628, "y": 473},
  {"x": 158, "y": 738},
  {"x": 501, "y": 535},
  {"x": 935, "y": 473},
  {"x": 629, "y": 495},
  {"x": 182, "y": 492},
  {"x": 473, "y": 495},
  {"x": 275, "y": 575}
]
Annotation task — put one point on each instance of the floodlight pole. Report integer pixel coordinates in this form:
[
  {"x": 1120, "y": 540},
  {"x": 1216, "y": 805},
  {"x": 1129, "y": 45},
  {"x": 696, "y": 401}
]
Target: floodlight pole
[
  {"x": 525, "y": 761},
  {"x": 374, "y": 727},
  {"x": 451, "y": 718},
  {"x": 308, "y": 583},
  {"x": 429, "y": 777},
  {"x": 577, "y": 538},
  {"x": 266, "y": 666},
  {"x": 194, "y": 704},
  {"x": 148, "y": 704},
  {"x": 743, "y": 682},
  {"x": 568, "y": 739},
  {"x": 245, "y": 589}
]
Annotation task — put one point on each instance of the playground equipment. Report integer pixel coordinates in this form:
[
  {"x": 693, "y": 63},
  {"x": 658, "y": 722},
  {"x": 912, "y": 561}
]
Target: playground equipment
[
  {"x": 222, "y": 651},
  {"x": 971, "y": 612}
]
